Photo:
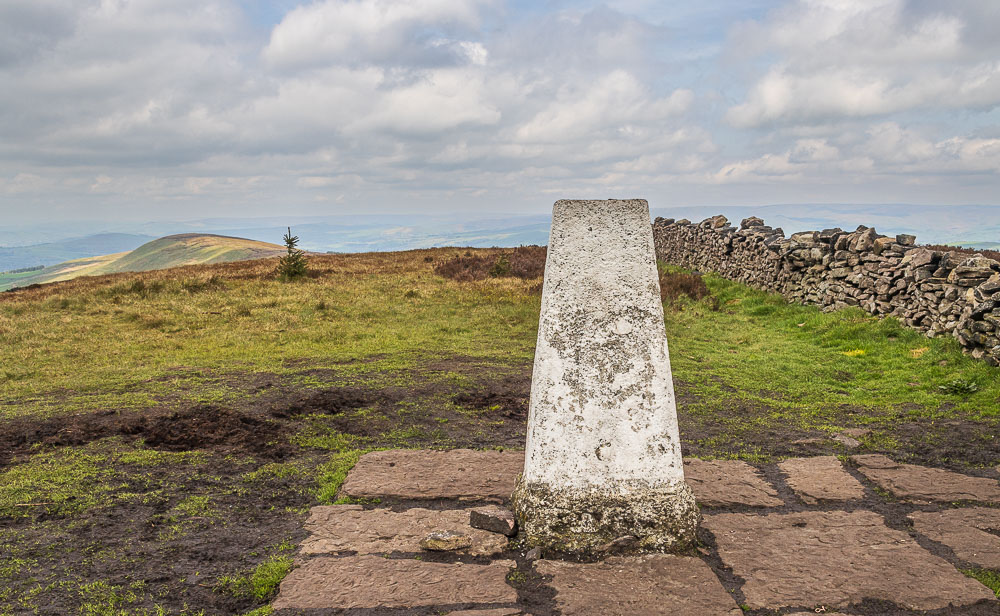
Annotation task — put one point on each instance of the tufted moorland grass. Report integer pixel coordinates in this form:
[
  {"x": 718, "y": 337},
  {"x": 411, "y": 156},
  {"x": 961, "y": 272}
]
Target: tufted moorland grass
[
  {"x": 203, "y": 334},
  {"x": 136, "y": 340},
  {"x": 131, "y": 340}
]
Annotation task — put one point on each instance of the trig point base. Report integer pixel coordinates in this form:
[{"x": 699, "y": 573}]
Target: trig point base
[{"x": 603, "y": 457}]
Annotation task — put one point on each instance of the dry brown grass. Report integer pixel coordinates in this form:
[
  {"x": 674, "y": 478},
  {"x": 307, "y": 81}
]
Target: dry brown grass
[
  {"x": 320, "y": 266},
  {"x": 673, "y": 285},
  {"x": 524, "y": 262}
]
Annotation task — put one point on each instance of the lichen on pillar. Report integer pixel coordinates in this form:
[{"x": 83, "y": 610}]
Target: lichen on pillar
[{"x": 603, "y": 457}]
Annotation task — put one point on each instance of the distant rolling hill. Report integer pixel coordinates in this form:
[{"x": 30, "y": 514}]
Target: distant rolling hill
[
  {"x": 170, "y": 251},
  {"x": 18, "y": 256}
]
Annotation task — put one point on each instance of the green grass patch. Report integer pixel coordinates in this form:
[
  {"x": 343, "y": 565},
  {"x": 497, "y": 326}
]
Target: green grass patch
[
  {"x": 261, "y": 583},
  {"x": 987, "y": 577},
  {"x": 809, "y": 366},
  {"x": 333, "y": 473},
  {"x": 74, "y": 480}
]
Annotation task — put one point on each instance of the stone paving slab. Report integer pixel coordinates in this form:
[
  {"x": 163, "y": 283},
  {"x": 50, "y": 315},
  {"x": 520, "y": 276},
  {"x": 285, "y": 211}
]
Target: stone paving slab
[
  {"x": 340, "y": 528},
  {"x": 721, "y": 483},
  {"x": 835, "y": 558},
  {"x": 423, "y": 474},
  {"x": 923, "y": 484},
  {"x": 653, "y": 584},
  {"x": 970, "y": 533},
  {"x": 376, "y": 582},
  {"x": 821, "y": 478}
]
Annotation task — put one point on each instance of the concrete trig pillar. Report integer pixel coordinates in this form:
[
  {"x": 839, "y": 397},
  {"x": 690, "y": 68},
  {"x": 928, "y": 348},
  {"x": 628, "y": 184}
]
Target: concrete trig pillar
[{"x": 603, "y": 455}]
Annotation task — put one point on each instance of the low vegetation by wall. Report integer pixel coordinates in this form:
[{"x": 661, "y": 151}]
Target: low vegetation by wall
[{"x": 939, "y": 292}]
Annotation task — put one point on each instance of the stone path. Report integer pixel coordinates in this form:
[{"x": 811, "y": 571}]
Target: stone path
[{"x": 806, "y": 536}]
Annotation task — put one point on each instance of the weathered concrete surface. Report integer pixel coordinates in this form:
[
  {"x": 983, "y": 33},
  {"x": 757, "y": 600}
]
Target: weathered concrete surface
[
  {"x": 602, "y": 425},
  {"x": 822, "y": 478},
  {"x": 652, "y": 584},
  {"x": 923, "y": 484},
  {"x": 835, "y": 559},
  {"x": 343, "y": 528},
  {"x": 971, "y": 533},
  {"x": 721, "y": 483},
  {"x": 423, "y": 474},
  {"x": 373, "y": 581}
]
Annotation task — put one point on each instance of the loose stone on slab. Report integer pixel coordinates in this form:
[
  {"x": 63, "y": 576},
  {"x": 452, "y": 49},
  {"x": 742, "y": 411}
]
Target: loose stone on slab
[
  {"x": 651, "y": 584},
  {"x": 494, "y": 519},
  {"x": 821, "y": 478},
  {"x": 923, "y": 484},
  {"x": 424, "y": 474},
  {"x": 602, "y": 457},
  {"x": 971, "y": 533},
  {"x": 722, "y": 483},
  {"x": 445, "y": 541},
  {"x": 335, "y": 529},
  {"x": 836, "y": 559},
  {"x": 368, "y": 582}
]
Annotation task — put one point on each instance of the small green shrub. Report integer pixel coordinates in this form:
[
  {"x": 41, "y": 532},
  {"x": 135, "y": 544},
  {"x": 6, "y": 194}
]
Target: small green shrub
[
  {"x": 293, "y": 265},
  {"x": 959, "y": 387}
]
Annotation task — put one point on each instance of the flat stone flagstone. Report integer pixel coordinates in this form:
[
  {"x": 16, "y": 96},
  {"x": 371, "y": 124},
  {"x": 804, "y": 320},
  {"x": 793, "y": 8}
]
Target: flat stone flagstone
[
  {"x": 652, "y": 584},
  {"x": 821, "y": 478},
  {"x": 970, "y": 533},
  {"x": 720, "y": 483},
  {"x": 341, "y": 528},
  {"x": 463, "y": 474},
  {"x": 377, "y": 582},
  {"x": 835, "y": 559},
  {"x": 924, "y": 484}
]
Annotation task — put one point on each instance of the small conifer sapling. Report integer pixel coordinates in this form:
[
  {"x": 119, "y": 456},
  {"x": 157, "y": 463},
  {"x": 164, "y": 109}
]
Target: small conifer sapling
[{"x": 292, "y": 265}]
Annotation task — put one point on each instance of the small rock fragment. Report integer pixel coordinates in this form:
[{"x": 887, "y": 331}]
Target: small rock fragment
[
  {"x": 494, "y": 519},
  {"x": 445, "y": 541},
  {"x": 856, "y": 432},
  {"x": 846, "y": 441},
  {"x": 620, "y": 545},
  {"x": 534, "y": 554}
]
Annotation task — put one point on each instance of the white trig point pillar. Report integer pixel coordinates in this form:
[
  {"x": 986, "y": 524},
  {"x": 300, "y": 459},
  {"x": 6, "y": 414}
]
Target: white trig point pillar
[{"x": 603, "y": 455}]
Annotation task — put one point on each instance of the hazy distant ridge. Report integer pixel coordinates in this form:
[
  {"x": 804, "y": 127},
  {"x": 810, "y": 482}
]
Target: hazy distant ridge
[{"x": 170, "y": 251}]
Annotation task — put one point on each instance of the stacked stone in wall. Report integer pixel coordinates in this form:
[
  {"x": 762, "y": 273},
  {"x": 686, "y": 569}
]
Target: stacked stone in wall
[{"x": 932, "y": 291}]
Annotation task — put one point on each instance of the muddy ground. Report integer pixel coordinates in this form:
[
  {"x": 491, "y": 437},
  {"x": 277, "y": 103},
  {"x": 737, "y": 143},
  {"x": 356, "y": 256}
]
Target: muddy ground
[{"x": 262, "y": 452}]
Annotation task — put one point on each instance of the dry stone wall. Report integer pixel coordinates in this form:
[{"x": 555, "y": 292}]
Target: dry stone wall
[{"x": 939, "y": 293}]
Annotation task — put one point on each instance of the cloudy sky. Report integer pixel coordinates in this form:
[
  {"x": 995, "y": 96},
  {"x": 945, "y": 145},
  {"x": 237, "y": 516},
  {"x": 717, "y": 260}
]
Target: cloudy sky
[{"x": 157, "y": 109}]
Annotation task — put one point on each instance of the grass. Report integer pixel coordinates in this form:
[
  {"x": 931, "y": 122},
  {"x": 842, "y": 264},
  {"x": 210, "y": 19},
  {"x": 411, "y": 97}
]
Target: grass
[
  {"x": 747, "y": 363},
  {"x": 73, "y": 480},
  {"x": 128, "y": 341},
  {"x": 988, "y": 578},
  {"x": 810, "y": 365},
  {"x": 261, "y": 583}
]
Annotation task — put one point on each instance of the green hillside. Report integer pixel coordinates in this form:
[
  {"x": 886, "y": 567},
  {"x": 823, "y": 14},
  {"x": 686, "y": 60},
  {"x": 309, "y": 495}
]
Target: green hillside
[{"x": 166, "y": 252}]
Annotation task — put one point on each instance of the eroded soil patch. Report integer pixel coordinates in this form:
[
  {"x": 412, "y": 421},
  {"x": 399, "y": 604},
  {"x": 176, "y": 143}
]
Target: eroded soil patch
[
  {"x": 193, "y": 427},
  {"x": 508, "y": 398}
]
